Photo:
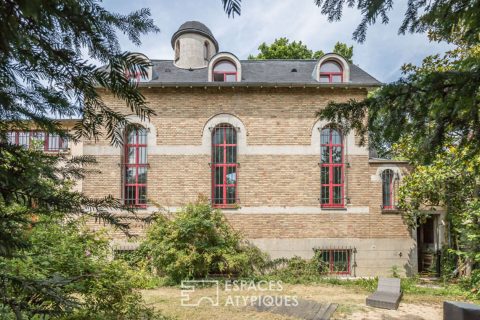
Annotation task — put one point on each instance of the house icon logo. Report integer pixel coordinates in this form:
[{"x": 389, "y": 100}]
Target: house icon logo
[{"x": 187, "y": 293}]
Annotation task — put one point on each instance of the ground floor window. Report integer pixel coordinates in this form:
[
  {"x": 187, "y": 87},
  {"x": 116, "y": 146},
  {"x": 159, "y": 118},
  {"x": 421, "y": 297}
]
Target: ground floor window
[
  {"x": 334, "y": 261},
  {"x": 41, "y": 140}
]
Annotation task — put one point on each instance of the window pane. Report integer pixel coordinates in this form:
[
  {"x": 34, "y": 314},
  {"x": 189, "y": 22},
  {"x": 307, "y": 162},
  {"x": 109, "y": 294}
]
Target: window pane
[
  {"x": 142, "y": 155},
  {"x": 224, "y": 66},
  {"x": 337, "y": 195},
  {"x": 132, "y": 137},
  {"x": 218, "y": 77},
  {"x": 231, "y": 135},
  {"x": 218, "y": 175},
  {"x": 336, "y": 138},
  {"x": 24, "y": 139},
  {"x": 230, "y": 78},
  {"x": 336, "y": 78},
  {"x": 325, "y": 194},
  {"x": 38, "y": 138},
  {"x": 130, "y": 175},
  {"x": 230, "y": 195},
  {"x": 142, "y": 136},
  {"x": 142, "y": 195},
  {"x": 231, "y": 154},
  {"x": 330, "y": 66},
  {"x": 11, "y": 137},
  {"x": 142, "y": 175},
  {"x": 325, "y": 175},
  {"x": 218, "y": 195},
  {"x": 337, "y": 175},
  {"x": 325, "y": 137},
  {"x": 218, "y": 136},
  {"x": 337, "y": 154},
  {"x": 231, "y": 175},
  {"x": 131, "y": 156},
  {"x": 325, "y": 79},
  {"x": 129, "y": 195},
  {"x": 325, "y": 157},
  {"x": 218, "y": 154}
]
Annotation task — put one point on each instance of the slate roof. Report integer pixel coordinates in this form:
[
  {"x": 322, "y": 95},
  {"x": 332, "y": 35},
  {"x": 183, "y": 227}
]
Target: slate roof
[
  {"x": 194, "y": 27},
  {"x": 273, "y": 72}
]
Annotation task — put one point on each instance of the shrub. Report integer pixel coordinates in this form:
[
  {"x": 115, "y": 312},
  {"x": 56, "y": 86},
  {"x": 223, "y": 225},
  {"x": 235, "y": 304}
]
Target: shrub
[
  {"x": 87, "y": 281},
  {"x": 197, "y": 242}
]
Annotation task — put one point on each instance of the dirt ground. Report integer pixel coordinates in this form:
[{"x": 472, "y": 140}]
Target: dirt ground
[{"x": 235, "y": 305}]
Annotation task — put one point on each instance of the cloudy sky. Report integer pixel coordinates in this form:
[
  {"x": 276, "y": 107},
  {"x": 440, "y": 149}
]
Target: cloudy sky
[{"x": 382, "y": 54}]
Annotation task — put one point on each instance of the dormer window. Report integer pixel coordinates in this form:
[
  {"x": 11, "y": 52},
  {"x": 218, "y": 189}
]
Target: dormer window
[
  {"x": 331, "y": 72},
  {"x": 224, "y": 71}
]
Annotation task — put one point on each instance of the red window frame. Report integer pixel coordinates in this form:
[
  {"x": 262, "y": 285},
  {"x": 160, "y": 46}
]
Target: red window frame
[
  {"x": 330, "y": 168},
  {"x": 387, "y": 189},
  {"x": 47, "y": 146},
  {"x": 225, "y": 73},
  {"x": 139, "y": 142},
  {"x": 330, "y": 75},
  {"x": 224, "y": 159}
]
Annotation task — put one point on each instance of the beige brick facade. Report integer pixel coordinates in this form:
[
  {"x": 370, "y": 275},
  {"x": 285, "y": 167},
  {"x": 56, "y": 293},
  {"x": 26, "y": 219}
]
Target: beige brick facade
[{"x": 278, "y": 176}]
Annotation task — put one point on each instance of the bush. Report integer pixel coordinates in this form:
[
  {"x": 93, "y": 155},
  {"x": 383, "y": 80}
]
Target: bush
[
  {"x": 87, "y": 281},
  {"x": 198, "y": 242}
]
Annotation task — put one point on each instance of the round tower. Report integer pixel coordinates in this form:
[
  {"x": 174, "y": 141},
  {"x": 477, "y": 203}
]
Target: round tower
[{"x": 194, "y": 45}]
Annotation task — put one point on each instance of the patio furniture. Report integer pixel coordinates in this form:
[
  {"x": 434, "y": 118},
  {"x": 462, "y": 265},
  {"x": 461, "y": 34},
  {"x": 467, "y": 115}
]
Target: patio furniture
[
  {"x": 388, "y": 294},
  {"x": 454, "y": 310}
]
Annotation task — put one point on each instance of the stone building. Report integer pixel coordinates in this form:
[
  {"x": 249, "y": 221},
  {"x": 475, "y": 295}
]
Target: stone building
[{"x": 245, "y": 134}]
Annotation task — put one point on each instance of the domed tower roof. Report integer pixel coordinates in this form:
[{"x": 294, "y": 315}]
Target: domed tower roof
[{"x": 194, "y": 27}]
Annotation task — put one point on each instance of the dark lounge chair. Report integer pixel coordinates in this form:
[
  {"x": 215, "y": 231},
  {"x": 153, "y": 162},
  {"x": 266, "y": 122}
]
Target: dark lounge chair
[{"x": 388, "y": 294}]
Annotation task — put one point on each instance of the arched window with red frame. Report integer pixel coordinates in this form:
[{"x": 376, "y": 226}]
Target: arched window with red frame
[
  {"x": 224, "y": 71},
  {"x": 224, "y": 166},
  {"x": 331, "y": 72},
  {"x": 135, "y": 167},
  {"x": 332, "y": 168},
  {"x": 387, "y": 189}
]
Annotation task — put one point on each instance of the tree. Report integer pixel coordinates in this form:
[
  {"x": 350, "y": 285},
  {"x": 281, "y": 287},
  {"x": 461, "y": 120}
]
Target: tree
[
  {"x": 344, "y": 50},
  {"x": 282, "y": 48}
]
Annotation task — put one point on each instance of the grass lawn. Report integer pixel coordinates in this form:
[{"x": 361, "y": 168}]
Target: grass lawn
[{"x": 424, "y": 303}]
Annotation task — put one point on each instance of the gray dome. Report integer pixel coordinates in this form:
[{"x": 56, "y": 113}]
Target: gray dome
[{"x": 194, "y": 27}]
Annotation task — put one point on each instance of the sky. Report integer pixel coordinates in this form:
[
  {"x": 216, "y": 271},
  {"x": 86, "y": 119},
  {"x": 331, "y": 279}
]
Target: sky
[{"x": 382, "y": 54}]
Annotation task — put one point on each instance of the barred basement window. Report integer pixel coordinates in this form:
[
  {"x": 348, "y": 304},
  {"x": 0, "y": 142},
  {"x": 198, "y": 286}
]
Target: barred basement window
[
  {"x": 336, "y": 261},
  {"x": 135, "y": 167},
  {"x": 332, "y": 168},
  {"x": 387, "y": 189},
  {"x": 224, "y": 166}
]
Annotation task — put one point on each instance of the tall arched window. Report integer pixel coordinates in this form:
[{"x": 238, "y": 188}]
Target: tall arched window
[
  {"x": 177, "y": 50},
  {"x": 387, "y": 189},
  {"x": 332, "y": 168},
  {"x": 206, "y": 51},
  {"x": 224, "y": 71},
  {"x": 331, "y": 72},
  {"x": 135, "y": 167},
  {"x": 224, "y": 166}
]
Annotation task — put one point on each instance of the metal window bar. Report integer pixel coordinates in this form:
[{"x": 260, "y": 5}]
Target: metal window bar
[
  {"x": 339, "y": 261},
  {"x": 224, "y": 166}
]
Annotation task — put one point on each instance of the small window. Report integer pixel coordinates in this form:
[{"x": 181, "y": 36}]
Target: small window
[
  {"x": 177, "y": 50},
  {"x": 206, "y": 51},
  {"x": 41, "y": 140},
  {"x": 334, "y": 261},
  {"x": 224, "y": 71},
  {"x": 224, "y": 166},
  {"x": 331, "y": 72},
  {"x": 332, "y": 168},
  {"x": 387, "y": 189},
  {"x": 135, "y": 167}
]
